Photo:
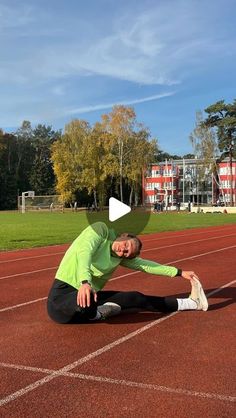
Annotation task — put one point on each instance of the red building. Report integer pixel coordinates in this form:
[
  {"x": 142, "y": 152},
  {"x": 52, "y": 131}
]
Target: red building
[
  {"x": 161, "y": 184},
  {"x": 227, "y": 181},
  {"x": 184, "y": 181}
]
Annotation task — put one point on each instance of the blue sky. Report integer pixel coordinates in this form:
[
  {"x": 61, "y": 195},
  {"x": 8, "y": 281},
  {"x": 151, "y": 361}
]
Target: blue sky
[{"x": 61, "y": 60}]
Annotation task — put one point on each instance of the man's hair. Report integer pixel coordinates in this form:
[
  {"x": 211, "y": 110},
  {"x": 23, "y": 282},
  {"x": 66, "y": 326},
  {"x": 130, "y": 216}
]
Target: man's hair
[{"x": 138, "y": 243}]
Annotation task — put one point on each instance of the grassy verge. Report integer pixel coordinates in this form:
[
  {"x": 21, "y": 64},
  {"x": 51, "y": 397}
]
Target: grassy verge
[{"x": 39, "y": 229}]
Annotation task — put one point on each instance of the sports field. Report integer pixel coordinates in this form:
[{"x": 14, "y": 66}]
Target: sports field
[
  {"x": 29, "y": 230},
  {"x": 136, "y": 365}
]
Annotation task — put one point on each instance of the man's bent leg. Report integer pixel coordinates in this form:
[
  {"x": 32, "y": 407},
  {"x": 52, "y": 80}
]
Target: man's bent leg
[{"x": 62, "y": 304}]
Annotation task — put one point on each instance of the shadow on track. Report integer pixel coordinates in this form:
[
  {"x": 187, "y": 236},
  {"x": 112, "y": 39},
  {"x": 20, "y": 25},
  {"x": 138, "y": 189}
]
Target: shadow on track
[{"x": 228, "y": 293}]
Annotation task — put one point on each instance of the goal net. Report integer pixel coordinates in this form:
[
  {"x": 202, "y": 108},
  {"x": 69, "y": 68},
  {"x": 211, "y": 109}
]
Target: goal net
[{"x": 29, "y": 202}]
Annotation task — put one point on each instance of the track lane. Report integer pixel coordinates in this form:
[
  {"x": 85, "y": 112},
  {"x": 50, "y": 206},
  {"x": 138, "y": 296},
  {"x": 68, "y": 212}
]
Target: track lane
[
  {"x": 22, "y": 290},
  {"x": 35, "y": 327},
  {"x": 31, "y": 253},
  {"x": 35, "y": 260}
]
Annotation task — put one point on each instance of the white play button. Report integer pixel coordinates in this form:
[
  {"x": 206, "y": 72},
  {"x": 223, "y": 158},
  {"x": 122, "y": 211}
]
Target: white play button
[{"x": 117, "y": 209}]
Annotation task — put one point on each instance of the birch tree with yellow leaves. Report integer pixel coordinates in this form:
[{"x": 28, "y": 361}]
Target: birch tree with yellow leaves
[
  {"x": 115, "y": 149},
  {"x": 78, "y": 161},
  {"x": 67, "y": 158},
  {"x": 127, "y": 145},
  {"x": 142, "y": 154}
]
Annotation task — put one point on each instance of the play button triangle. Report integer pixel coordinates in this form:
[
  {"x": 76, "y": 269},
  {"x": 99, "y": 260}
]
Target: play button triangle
[{"x": 117, "y": 209}]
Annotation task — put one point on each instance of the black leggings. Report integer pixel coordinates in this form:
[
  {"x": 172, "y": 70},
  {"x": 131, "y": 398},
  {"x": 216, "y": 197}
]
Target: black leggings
[{"x": 62, "y": 303}]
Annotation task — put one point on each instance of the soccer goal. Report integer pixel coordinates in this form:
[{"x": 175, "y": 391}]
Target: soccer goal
[{"x": 28, "y": 202}]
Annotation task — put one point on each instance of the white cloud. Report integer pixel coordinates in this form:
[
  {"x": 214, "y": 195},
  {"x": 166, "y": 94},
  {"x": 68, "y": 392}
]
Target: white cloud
[
  {"x": 46, "y": 53},
  {"x": 92, "y": 108},
  {"x": 158, "y": 46}
]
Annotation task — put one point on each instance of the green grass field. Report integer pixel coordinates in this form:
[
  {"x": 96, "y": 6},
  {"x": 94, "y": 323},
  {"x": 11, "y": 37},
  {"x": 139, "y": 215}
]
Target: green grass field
[{"x": 39, "y": 229}]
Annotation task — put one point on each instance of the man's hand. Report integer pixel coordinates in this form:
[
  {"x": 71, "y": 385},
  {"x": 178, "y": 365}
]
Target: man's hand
[
  {"x": 84, "y": 295},
  {"x": 189, "y": 275}
]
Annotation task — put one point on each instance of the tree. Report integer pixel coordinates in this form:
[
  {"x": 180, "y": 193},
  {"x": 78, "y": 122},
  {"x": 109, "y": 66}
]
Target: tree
[
  {"x": 8, "y": 160},
  {"x": 67, "y": 157},
  {"x": 119, "y": 125},
  {"x": 25, "y": 162},
  {"x": 95, "y": 158},
  {"x": 42, "y": 178},
  {"x": 222, "y": 117},
  {"x": 203, "y": 141},
  {"x": 163, "y": 156},
  {"x": 205, "y": 149},
  {"x": 25, "y": 153},
  {"x": 94, "y": 173},
  {"x": 188, "y": 156},
  {"x": 141, "y": 155},
  {"x": 127, "y": 149}
]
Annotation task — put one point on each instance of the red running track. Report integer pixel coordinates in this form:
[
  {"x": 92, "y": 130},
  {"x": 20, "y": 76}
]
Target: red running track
[{"x": 135, "y": 365}]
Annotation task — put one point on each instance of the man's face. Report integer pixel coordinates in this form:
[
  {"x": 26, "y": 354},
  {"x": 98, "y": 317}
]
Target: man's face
[{"x": 124, "y": 247}]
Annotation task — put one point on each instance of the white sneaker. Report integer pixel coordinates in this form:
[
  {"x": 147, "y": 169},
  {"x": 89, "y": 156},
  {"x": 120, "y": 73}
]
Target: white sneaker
[
  {"x": 108, "y": 309},
  {"x": 198, "y": 295}
]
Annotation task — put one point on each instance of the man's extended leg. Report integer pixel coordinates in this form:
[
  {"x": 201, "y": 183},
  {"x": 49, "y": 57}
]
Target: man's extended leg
[
  {"x": 110, "y": 301},
  {"x": 129, "y": 300}
]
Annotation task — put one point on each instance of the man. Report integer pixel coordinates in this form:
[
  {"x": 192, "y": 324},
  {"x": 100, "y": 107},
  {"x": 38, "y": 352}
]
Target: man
[{"x": 77, "y": 295}]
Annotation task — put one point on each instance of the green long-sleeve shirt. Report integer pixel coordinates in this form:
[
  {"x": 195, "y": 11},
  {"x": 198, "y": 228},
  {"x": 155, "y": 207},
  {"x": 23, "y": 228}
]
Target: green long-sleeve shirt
[{"x": 90, "y": 257}]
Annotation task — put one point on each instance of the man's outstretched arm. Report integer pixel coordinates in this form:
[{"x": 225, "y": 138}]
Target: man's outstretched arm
[{"x": 151, "y": 267}]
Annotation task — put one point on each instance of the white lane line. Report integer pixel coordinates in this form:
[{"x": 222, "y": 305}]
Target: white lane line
[
  {"x": 28, "y": 272},
  {"x": 82, "y": 360},
  {"x": 87, "y": 358},
  {"x": 188, "y": 242},
  {"x": 122, "y": 382},
  {"x": 180, "y": 259},
  {"x": 213, "y": 292},
  {"x": 9, "y": 308},
  {"x": 200, "y": 255},
  {"x": 91, "y": 356},
  {"x": 123, "y": 275},
  {"x": 31, "y": 257},
  {"x": 159, "y": 238},
  {"x": 26, "y": 368},
  {"x": 149, "y": 249},
  {"x": 189, "y": 235}
]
